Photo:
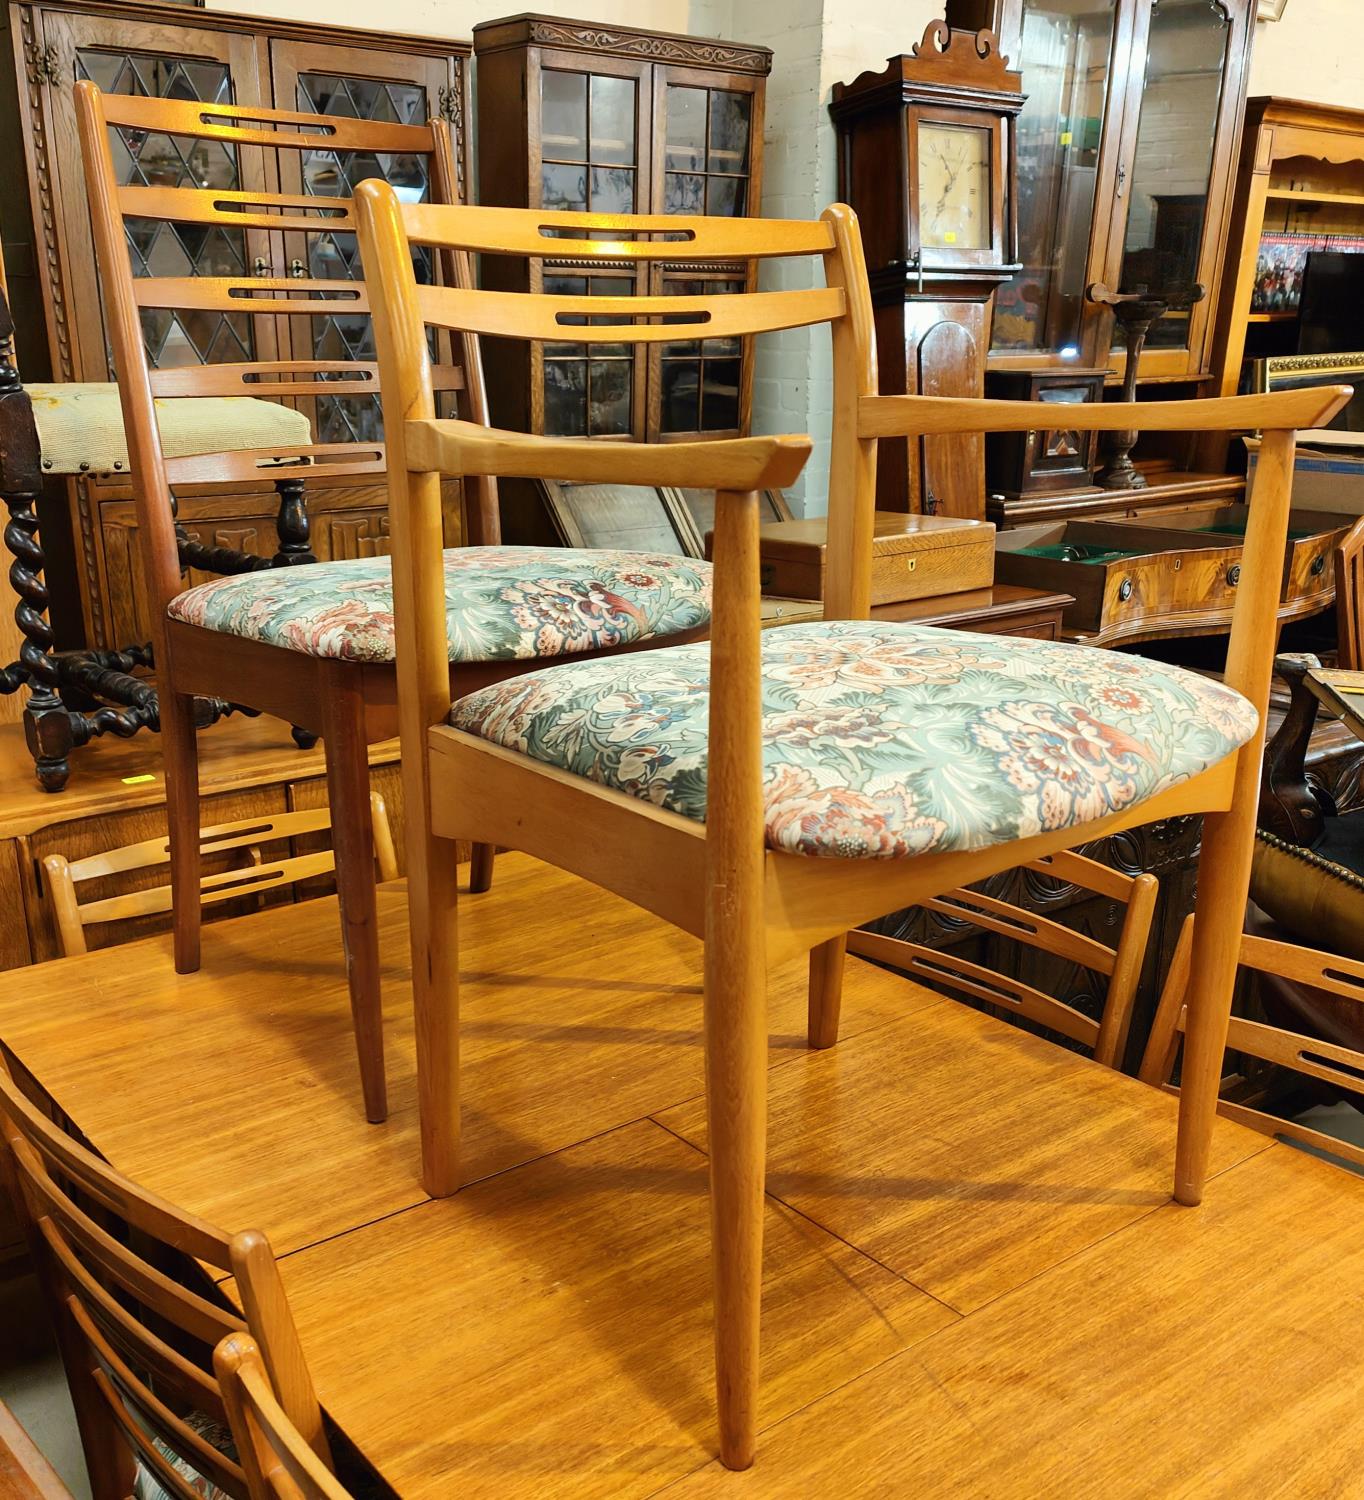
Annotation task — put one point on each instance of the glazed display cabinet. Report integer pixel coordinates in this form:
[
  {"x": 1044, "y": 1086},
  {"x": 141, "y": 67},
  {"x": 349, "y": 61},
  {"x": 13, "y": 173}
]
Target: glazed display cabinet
[{"x": 580, "y": 117}]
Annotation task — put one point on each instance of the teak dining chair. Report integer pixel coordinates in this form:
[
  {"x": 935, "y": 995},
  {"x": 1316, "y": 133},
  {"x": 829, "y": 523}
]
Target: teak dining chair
[
  {"x": 314, "y": 645},
  {"x": 251, "y": 875},
  {"x": 1313, "y": 1057},
  {"x": 279, "y": 1464},
  {"x": 943, "y": 969},
  {"x": 772, "y": 790},
  {"x": 136, "y": 1341}
]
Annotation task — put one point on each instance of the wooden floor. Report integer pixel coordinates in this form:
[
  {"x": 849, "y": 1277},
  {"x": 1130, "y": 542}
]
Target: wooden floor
[{"x": 975, "y": 1282}]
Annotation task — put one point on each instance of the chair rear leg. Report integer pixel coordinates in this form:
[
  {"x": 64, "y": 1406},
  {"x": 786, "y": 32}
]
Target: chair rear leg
[
  {"x": 347, "y": 751},
  {"x": 180, "y": 750},
  {"x": 1219, "y": 917},
  {"x": 826, "y": 990},
  {"x": 481, "y": 868}
]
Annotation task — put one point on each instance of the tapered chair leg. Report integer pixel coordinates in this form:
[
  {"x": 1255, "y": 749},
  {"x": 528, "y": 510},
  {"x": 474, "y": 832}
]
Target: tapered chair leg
[
  {"x": 1223, "y": 887},
  {"x": 343, "y": 734},
  {"x": 826, "y": 990},
  {"x": 433, "y": 908},
  {"x": 180, "y": 752},
  {"x": 481, "y": 868},
  {"x": 736, "y": 1090}
]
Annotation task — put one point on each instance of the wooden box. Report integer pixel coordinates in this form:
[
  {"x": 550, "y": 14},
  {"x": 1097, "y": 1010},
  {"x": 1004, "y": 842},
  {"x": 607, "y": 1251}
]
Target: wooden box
[
  {"x": 913, "y": 557},
  {"x": 1309, "y": 582},
  {"x": 1130, "y": 582},
  {"x": 1052, "y": 458}
]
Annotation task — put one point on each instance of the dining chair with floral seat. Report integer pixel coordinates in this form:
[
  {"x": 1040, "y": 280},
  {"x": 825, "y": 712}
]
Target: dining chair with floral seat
[
  {"x": 768, "y": 791},
  {"x": 314, "y": 645}
]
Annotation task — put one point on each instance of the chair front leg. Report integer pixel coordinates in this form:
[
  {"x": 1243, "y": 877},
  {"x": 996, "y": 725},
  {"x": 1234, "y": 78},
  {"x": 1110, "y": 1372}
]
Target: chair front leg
[
  {"x": 736, "y": 1095},
  {"x": 347, "y": 751}
]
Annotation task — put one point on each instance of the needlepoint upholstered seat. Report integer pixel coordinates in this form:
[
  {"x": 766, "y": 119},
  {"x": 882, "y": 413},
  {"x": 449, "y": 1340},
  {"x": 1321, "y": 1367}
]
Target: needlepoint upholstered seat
[
  {"x": 882, "y": 741},
  {"x": 501, "y": 604}
]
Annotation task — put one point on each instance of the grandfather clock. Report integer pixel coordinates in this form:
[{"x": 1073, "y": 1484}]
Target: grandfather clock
[{"x": 925, "y": 158}]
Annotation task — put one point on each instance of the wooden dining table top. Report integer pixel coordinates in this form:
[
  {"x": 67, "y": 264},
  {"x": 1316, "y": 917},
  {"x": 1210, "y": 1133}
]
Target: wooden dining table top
[{"x": 970, "y": 1242}]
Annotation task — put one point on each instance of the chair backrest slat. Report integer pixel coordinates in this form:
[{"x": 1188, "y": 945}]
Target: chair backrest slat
[
  {"x": 130, "y": 1396},
  {"x": 615, "y": 320},
  {"x": 278, "y": 129},
  {"x": 242, "y": 835},
  {"x": 1310, "y": 1057},
  {"x": 137, "y": 1316},
  {"x": 235, "y": 208},
  {"x": 614, "y": 237}
]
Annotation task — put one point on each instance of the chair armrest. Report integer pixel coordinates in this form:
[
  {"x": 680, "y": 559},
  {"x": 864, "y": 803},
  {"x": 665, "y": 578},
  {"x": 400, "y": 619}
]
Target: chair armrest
[
  {"x": 905, "y": 416},
  {"x": 465, "y": 448}
]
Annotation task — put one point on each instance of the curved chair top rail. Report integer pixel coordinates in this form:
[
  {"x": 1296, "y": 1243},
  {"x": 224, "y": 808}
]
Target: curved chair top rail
[
  {"x": 578, "y": 320},
  {"x": 251, "y": 125},
  {"x": 670, "y": 237},
  {"x": 901, "y": 416}
]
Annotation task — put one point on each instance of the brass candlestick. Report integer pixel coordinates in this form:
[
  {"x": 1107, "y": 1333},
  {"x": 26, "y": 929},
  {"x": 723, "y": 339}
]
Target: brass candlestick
[{"x": 1135, "y": 312}]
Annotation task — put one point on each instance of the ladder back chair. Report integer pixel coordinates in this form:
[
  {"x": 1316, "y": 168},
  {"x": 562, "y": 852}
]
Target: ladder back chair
[
  {"x": 941, "y": 968},
  {"x": 770, "y": 791},
  {"x": 315, "y": 645},
  {"x": 1316, "y": 1058},
  {"x": 252, "y": 874},
  {"x": 136, "y": 1339},
  {"x": 279, "y": 1464}
]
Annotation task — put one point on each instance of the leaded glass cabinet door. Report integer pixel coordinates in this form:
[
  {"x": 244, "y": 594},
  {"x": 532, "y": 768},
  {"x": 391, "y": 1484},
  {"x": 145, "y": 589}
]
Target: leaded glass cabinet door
[
  {"x": 134, "y": 57},
  {"x": 707, "y": 127},
  {"x": 590, "y": 155},
  {"x": 392, "y": 87}
]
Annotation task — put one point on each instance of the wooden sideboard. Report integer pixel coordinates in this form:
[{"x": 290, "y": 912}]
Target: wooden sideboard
[{"x": 215, "y": 56}]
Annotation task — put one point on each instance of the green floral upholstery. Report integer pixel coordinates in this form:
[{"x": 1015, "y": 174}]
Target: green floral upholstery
[
  {"x": 502, "y": 603},
  {"x": 882, "y": 741}
]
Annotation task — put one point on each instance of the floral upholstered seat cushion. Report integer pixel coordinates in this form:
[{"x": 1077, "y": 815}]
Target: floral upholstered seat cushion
[
  {"x": 502, "y": 603},
  {"x": 883, "y": 741}
]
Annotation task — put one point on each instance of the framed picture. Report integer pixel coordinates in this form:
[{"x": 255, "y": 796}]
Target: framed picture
[
  {"x": 1293, "y": 372},
  {"x": 1278, "y": 270}
]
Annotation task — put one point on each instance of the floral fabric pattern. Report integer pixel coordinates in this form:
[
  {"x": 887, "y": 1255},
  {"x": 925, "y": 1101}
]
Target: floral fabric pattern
[
  {"x": 502, "y": 603},
  {"x": 884, "y": 741}
]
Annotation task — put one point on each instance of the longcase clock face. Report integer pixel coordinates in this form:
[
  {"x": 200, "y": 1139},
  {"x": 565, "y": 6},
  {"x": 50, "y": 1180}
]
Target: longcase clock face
[{"x": 954, "y": 186}]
